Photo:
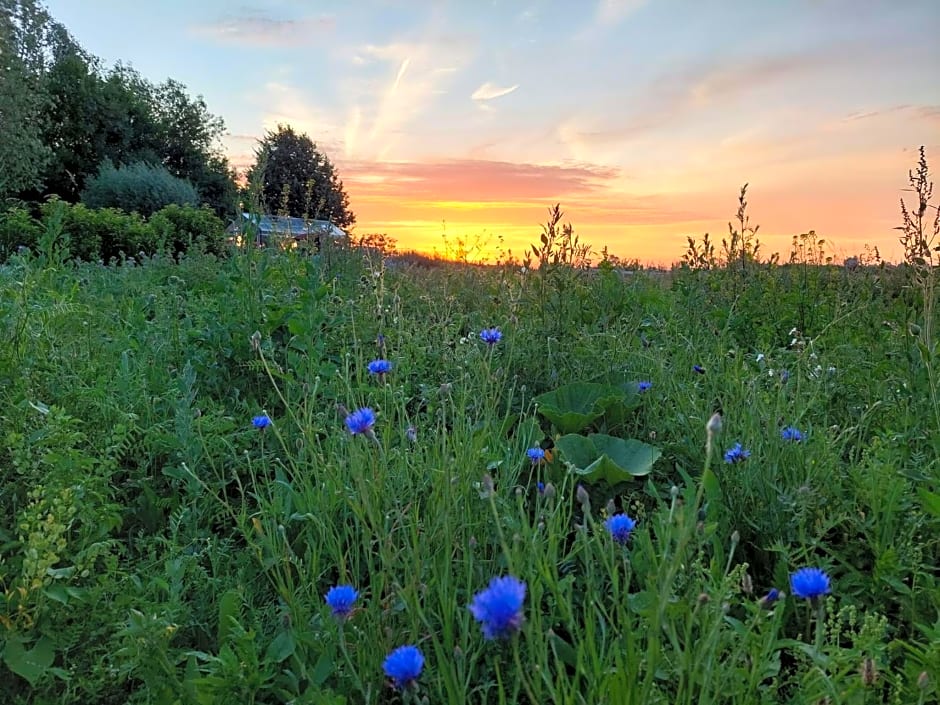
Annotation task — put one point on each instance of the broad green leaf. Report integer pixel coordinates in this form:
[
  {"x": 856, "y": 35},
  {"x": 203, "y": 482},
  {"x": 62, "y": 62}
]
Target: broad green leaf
[
  {"x": 229, "y": 610},
  {"x": 58, "y": 573},
  {"x": 711, "y": 488},
  {"x": 282, "y": 647},
  {"x": 642, "y": 603},
  {"x": 931, "y": 502},
  {"x": 602, "y": 457},
  {"x": 633, "y": 456},
  {"x": 30, "y": 664},
  {"x": 577, "y": 450},
  {"x": 564, "y": 651},
  {"x": 575, "y": 406},
  {"x": 56, "y": 592},
  {"x": 630, "y": 397},
  {"x": 322, "y": 671}
]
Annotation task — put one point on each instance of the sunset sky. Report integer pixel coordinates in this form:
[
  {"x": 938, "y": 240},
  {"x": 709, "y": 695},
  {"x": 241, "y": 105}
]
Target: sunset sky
[{"x": 643, "y": 118}]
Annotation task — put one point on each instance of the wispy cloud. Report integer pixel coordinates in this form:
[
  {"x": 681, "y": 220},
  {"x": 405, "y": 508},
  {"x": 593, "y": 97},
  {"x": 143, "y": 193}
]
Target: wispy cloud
[
  {"x": 675, "y": 97},
  {"x": 263, "y": 31},
  {"x": 476, "y": 179},
  {"x": 489, "y": 91},
  {"x": 396, "y": 84},
  {"x": 929, "y": 113},
  {"x": 283, "y": 103},
  {"x": 386, "y": 90}
]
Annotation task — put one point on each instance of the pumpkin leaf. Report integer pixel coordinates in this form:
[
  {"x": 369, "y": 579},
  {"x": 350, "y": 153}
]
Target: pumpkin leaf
[
  {"x": 601, "y": 457},
  {"x": 575, "y": 406}
]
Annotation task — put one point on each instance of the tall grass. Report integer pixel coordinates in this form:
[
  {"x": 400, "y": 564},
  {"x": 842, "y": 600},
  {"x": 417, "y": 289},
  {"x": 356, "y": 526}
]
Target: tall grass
[{"x": 158, "y": 547}]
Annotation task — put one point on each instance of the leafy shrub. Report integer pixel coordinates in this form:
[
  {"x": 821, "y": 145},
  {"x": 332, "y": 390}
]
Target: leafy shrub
[
  {"x": 137, "y": 187},
  {"x": 17, "y": 228},
  {"x": 177, "y": 228},
  {"x": 102, "y": 233},
  {"x": 106, "y": 233}
]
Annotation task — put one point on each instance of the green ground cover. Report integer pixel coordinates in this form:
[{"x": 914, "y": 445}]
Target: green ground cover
[{"x": 186, "y": 472}]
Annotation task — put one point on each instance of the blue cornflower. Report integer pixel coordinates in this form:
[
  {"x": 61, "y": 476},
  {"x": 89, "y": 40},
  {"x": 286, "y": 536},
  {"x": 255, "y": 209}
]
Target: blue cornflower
[
  {"x": 699, "y": 369},
  {"x": 791, "y": 433},
  {"x": 771, "y": 597},
  {"x": 536, "y": 454},
  {"x": 499, "y": 607},
  {"x": 737, "y": 454},
  {"x": 620, "y": 527},
  {"x": 380, "y": 367},
  {"x": 341, "y": 599},
  {"x": 643, "y": 386},
  {"x": 361, "y": 421},
  {"x": 490, "y": 336},
  {"x": 540, "y": 486},
  {"x": 784, "y": 376},
  {"x": 404, "y": 665},
  {"x": 809, "y": 583},
  {"x": 261, "y": 422}
]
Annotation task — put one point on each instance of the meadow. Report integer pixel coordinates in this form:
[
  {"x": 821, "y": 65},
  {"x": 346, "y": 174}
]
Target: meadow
[{"x": 270, "y": 477}]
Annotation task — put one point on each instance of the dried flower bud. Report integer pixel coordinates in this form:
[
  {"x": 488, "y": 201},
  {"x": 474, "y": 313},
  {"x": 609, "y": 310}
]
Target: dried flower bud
[
  {"x": 923, "y": 680},
  {"x": 549, "y": 491},
  {"x": 714, "y": 424},
  {"x": 747, "y": 585},
  {"x": 487, "y": 487},
  {"x": 703, "y": 598},
  {"x": 583, "y": 499},
  {"x": 611, "y": 508},
  {"x": 869, "y": 672},
  {"x": 256, "y": 341}
]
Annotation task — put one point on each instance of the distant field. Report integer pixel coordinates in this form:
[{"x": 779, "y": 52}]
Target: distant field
[{"x": 188, "y": 469}]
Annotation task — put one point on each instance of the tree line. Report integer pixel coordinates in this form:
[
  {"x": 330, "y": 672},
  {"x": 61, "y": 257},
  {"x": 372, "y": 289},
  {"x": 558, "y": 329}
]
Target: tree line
[{"x": 81, "y": 131}]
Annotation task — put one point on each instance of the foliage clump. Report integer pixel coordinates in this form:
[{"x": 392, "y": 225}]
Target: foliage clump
[
  {"x": 295, "y": 178},
  {"x": 137, "y": 188}
]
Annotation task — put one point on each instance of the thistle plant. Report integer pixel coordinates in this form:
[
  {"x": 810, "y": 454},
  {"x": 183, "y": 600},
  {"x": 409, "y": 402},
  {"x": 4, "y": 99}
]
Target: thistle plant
[{"x": 919, "y": 238}]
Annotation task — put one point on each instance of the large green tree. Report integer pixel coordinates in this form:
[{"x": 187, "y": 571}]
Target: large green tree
[
  {"x": 295, "y": 178},
  {"x": 94, "y": 118},
  {"x": 64, "y": 116},
  {"x": 27, "y": 36},
  {"x": 121, "y": 118},
  {"x": 190, "y": 143}
]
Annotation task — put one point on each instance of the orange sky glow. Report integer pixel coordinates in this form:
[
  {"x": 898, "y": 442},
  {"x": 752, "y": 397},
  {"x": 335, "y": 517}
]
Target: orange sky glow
[{"x": 498, "y": 207}]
